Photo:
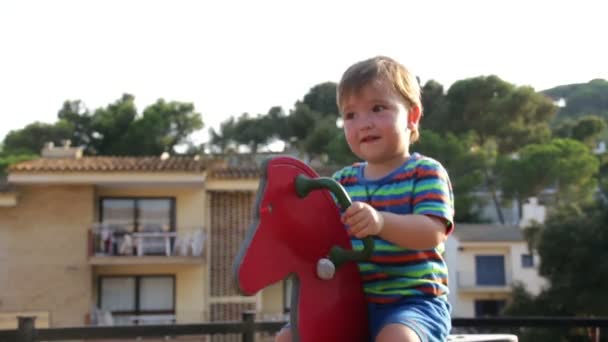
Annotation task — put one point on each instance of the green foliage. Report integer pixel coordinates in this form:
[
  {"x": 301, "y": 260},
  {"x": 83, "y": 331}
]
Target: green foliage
[
  {"x": 253, "y": 131},
  {"x": 495, "y": 109},
  {"x": 339, "y": 152},
  {"x": 323, "y": 133},
  {"x": 587, "y": 129},
  {"x": 581, "y": 99},
  {"x": 434, "y": 107},
  {"x": 32, "y": 137},
  {"x": 116, "y": 129},
  {"x": 565, "y": 164},
  {"x": 7, "y": 160},
  {"x": 574, "y": 260},
  {"x": 322, "y": 99}
]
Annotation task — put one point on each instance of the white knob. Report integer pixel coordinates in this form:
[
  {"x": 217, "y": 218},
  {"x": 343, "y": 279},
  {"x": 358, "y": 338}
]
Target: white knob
[{"x": 325, "y": 269}]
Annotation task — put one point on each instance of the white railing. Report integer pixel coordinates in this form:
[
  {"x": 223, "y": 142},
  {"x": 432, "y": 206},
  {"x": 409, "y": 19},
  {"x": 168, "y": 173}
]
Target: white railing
[
  {"x": 113, "y": 240},
  {"x": 469, "y": 280}
]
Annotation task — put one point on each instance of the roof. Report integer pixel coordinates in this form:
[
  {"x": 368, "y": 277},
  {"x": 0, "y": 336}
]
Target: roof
[
  {"x": 112, "y": 164},
  {"x": 235, "y": 172},
  {"x": 216, "y": 167},
  {"x": 467, "y": 232}
]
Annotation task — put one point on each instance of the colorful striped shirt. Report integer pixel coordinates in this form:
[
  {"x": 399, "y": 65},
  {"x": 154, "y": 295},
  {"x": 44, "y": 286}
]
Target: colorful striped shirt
[{"x": 419, "y": 186}]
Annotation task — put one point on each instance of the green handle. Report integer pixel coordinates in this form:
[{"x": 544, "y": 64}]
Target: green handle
[{"x": 337, "y": 254}]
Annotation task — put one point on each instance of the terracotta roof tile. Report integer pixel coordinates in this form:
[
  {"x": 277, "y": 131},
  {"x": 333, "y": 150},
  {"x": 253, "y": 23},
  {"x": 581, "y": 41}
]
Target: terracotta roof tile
[
  {"x": 235, "y": 172},
  {"x": 112, "y": 164}
]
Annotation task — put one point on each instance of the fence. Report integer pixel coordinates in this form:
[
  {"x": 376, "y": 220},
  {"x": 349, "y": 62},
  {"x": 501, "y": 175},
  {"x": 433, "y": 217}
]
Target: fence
[{"x": 26, "y": 332}]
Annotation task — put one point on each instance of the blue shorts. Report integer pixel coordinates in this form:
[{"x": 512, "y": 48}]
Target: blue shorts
[{"x": 428, "y": 317}]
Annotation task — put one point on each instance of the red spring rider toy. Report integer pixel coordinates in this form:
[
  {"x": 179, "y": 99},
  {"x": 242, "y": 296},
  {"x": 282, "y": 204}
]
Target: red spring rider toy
[{"x": 298, "y": 232}]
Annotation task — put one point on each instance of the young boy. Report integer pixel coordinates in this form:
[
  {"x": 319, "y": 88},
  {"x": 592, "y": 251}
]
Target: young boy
[{"x": 403, "y": 200}]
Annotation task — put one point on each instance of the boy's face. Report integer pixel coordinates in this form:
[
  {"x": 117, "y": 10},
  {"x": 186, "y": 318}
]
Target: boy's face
[{"x": 377, "y": 123}]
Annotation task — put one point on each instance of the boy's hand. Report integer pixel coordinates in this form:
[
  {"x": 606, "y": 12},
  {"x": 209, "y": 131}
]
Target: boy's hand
[{"x": 363, "y": 220}]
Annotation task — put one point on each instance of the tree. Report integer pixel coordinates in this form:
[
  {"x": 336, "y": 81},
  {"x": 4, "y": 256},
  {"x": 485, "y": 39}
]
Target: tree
[
  {"x": 502, "y": 117},
  {"x": 322, "y": 99},
  {"x": 322, "y": 135},
  {"x": 253, "y": 132},
  {"x": 76, "y": 115},
  {"x": 162, "y": 126},
  {"x": 221, "y": 141},
  {"x": 32, "y": 137},
  {"x": 339, "y": 152},
  {"x": 435, "y": 107},
  {"x": 116, "y": 129},
  {"x": 581, "y": 99},
  {"x": 586, "y": 129},
  {"x": 495, "y": 109},
  {"x": 574, "y": 260},
  {"x": 7, "y": 160},
  {"x": 111, "y": 124},
  {"x": 565, "y": 164}
]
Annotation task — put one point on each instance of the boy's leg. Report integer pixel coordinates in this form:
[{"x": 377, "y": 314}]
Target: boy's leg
[
  {"x": 284, "y": 335},
  {"x": 411, "y": 319},
  {"x": 397, "y": 332}
]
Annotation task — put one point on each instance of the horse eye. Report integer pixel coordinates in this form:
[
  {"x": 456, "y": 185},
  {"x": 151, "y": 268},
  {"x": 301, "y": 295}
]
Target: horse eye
[{"x": 266, "y": 209}]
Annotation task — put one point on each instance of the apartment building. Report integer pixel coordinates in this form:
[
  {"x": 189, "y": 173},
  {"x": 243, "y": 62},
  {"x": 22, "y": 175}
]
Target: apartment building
[
  {"x": 124, "y": 240},
  {"x": 484, "y": 262}
]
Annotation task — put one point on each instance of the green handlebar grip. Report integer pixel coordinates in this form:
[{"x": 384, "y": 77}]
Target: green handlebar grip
[{"x": 337, "y": 254}]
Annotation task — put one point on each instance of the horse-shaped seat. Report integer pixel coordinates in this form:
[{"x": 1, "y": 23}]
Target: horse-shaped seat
[{"x": 291, "y": 232}]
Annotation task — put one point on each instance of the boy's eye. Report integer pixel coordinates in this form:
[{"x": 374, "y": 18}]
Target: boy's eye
[
  {"x": 349, "y": 116},
  {"x": 378, "y": 108}
]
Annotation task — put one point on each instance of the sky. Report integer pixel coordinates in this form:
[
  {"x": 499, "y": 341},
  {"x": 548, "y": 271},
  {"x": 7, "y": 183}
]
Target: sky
[{"x": 230, "y": 57}]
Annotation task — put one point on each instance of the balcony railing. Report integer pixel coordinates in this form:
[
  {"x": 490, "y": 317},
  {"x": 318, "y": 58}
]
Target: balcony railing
[
  {"x": 110, "y": 241},
  {"x": 469, "y": 281}
]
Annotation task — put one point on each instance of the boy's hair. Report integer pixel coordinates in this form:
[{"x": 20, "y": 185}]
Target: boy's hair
[{"x": 386, "y": 70}]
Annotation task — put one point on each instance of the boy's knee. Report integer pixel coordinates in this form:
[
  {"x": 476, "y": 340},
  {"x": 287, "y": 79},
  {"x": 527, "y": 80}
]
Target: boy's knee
[
  {"x": 397, "y": 332},
  {"x": 283, "y": 336}
]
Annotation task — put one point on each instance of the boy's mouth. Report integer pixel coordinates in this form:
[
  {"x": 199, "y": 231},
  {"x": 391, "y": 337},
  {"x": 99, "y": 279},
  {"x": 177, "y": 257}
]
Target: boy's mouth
[{"x": 369, "y": 138}]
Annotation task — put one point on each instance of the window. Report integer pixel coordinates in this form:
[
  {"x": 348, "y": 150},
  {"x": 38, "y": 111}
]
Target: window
[
  {"x": 527, "y": 260},
  {"x": 138, "y": 214},
  {"x": 485, "y": 308},
  {"x": 138, "y": 299},
  {"x": 490, "y": 270},
  {"x": 123, "y": 216}
]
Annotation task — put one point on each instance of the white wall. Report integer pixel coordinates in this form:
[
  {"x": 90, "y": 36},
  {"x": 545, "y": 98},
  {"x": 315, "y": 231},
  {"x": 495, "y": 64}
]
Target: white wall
[{"x": 461, "y": 263}]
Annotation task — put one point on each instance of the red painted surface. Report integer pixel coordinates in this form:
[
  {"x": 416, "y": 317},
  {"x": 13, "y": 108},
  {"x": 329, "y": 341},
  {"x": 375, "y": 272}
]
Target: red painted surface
[{"x": 289, "y": 236}]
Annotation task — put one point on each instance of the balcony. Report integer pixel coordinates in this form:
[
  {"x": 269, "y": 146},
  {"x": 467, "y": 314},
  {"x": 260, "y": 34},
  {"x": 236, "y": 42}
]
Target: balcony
[
  {"x": 109, "y": 245},
  {"x": 469, "y": 282}
]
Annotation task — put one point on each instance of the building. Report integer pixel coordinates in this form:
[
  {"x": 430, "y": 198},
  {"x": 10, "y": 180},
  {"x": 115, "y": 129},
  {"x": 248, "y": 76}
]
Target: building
[
  {"x": 124, "y": 240},
  {"x": 484, "y": 262}
]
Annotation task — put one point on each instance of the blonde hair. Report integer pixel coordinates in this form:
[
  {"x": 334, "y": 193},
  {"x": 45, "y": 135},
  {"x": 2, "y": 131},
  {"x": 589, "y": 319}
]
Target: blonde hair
[{"x": 387, "y": 71}]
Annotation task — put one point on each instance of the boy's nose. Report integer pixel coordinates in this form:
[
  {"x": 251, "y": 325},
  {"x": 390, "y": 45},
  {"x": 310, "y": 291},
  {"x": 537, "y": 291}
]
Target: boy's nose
[{"x": 366, "y": 122}]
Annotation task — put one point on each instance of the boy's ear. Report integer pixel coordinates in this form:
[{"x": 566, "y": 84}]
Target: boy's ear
[{"x": 413, "y": 117}]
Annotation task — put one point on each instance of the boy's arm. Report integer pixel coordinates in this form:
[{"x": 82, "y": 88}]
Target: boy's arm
[
  {"x": 413, "y": 231},
  {"x": 432, "y": 215}
]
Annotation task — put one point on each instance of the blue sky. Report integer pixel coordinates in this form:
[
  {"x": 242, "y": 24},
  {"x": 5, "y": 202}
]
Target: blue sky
[{"x": 230, "y": 57}]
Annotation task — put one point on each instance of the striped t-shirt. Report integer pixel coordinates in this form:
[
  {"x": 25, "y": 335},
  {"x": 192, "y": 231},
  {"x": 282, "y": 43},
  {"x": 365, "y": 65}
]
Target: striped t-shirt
[{"x": 419, "y": 186}]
